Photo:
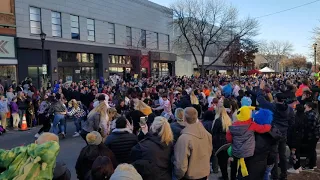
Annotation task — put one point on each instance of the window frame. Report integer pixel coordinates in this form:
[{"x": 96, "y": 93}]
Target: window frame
[
  {"x": 129, "y": 36},
  {"x": 53, "y": 24},
  {"x": 91, "y": 30},
  {"x": 40, "y": 18},
  {"x": 72, "y": 27},
  {"x": 111, "y": 26},
  {"x": 143, "y": 38},
  {"x": 157, "y": 39}
]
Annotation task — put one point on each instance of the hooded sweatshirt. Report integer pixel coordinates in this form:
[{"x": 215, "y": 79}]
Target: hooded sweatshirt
[{"x": 193, "y": 148}]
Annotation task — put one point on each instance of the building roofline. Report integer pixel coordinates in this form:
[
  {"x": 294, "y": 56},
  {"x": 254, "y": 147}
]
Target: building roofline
[{"x": 153, "y": 5}]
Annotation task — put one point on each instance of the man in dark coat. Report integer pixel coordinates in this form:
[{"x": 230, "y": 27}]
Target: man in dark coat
[
  {"x": 121, "y": 141},
  {"x": 283, "y": 117}
]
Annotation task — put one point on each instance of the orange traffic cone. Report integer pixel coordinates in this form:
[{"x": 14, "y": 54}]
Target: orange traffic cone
[{"x": 24, "y": 125}]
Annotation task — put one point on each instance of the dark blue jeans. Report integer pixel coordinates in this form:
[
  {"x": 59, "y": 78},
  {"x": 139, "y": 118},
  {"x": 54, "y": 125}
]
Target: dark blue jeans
[
  {"x": 280, "y": 148},
  {"x": 77, "y": 123},
  {"x": 59, "y": 124}
]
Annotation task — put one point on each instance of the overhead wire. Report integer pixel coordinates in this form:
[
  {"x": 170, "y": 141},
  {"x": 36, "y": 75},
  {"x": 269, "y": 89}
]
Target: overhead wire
[{"x": 289, "y": 9}]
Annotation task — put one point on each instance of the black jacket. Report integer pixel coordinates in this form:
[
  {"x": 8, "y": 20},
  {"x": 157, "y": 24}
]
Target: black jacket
[
  {"x": 283, "y": 115},
  {"x": 152, "y": 149},
  {"x": 121, "y": 143},
  {"x": 134, "y": 118},
  {"x": 296, "y": 131},
  {"x": 61, "y": 172},
  {"x": 184, "y": 102},
  {"x": 218, "y": 135},
  {"x": 176, "y": 130},
  {"x": 88, "y": 155}
]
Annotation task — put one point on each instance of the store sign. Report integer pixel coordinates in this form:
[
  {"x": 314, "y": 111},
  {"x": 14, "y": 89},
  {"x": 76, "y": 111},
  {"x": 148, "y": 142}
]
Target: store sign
[
  {"x": 77, "y": 71},
  {"x": 7, "y": 47}
]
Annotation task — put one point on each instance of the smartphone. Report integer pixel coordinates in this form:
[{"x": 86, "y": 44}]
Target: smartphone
[{"x": 143, "y": 121}]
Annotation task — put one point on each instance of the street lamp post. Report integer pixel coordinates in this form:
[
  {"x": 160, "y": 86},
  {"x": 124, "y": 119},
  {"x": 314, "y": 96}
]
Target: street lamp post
[
  {"x": 44, "y": 65},
  {"x": 315, "y": 56}
]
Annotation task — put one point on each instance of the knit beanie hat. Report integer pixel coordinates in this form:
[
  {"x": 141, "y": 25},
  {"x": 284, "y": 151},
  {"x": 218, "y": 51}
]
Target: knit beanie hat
[
  {"x": 94, "y": 138},
  {"x": 246, "y": 101},
  {"x": 125, "y": 172},
  {"x": 244, "y": 113}
]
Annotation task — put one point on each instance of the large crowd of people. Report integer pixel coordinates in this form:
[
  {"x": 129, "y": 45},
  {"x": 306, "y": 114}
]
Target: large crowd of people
[{"x": 171, "y": 127}]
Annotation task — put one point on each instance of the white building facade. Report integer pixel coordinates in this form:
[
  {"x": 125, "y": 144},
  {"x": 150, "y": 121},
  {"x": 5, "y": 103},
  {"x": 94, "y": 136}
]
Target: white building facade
[{"x": 93, "y": 38}]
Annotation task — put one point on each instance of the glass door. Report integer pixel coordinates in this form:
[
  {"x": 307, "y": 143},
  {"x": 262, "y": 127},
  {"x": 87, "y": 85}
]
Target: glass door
[{"x": 35, "y": 73}]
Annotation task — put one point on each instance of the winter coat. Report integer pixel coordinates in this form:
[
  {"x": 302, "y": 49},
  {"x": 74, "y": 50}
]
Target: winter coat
[
  {"x": 21, "y": 104},
  {"x": 33, "y": 156},
  {"x": 14, "y": 107},
  {"x": 152, "y": 149},
  {"x": 296, "y": 131},
  {"x": 176, "y": 130},
  {"x": 241, "y": 134},
  {"x": 312, "y": 125},
  {"x": 120, "y": 141},
  {"x": 283, "y": 115},
  {"x": 134, "y": 118},
  {"x": 218, "y": 135},
  {"x": 184, "y": 102},
  {"x": 57, "y": 107},
  {"x": 92, "y": 123},
  {"x": 88, "y": 155},
  {"x": 192, "y": 152},
  {"x": 61, "y": 172}
]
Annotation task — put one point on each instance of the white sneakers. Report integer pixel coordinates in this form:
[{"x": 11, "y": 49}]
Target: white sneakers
[
  {"x": 294, "y": 171},
  {"x": 76, "y": 134}
]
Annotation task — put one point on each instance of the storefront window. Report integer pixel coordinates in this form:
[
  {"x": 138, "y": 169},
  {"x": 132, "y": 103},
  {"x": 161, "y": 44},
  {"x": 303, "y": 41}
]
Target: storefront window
[
  {"x": 114, "y": 59},
  {"x": 75, "y": 57},
  {"x": 160, "y": 69},
  {"x": 6, "y": 71}
]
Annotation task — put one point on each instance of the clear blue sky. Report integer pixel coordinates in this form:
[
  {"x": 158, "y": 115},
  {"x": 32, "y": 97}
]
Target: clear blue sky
[{"x": 294, "y": 26}]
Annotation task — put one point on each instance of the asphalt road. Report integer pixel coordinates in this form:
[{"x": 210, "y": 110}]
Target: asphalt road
[{"x": 70, "y": 147}]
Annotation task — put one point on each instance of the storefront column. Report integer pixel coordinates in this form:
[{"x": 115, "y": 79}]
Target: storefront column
[
  {"x": 53, "y": 65},
  {"x": 104, "y": 63}
]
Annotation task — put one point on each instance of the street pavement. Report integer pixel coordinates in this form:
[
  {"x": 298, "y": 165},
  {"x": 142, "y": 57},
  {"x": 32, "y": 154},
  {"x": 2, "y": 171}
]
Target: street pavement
[{"x": 70, "y": 147}]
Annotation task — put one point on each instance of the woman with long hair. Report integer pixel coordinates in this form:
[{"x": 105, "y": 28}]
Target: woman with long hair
[
  {"x": 143, "y": 107},
  {"x": 75, "y": 111},
  {"x": 97, "y": 121},
  {"x": 220, "y": 127},
  {"x": 156, "y": 147},
  {"x": 195, "y": 103}
]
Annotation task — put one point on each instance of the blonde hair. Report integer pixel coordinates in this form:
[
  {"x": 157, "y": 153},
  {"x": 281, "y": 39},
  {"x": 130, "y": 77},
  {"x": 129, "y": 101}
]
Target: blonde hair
[
  {"x": 161, "y": 123},
  {"x": 225, "y": 118},
  {"x": 140, "y": 105},
  {"x": 101, "y": 108},
  {"x": 194, "y": 99},
  {"x": 74, "y": 103},
  {"x": 112, "y": 112}
]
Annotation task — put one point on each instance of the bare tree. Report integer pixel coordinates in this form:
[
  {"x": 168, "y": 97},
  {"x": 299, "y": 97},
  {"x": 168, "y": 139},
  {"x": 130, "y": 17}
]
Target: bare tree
[
  {"x": 274, "y": 51},
  {"x": 296, "y": 62},
  {"x": 208, "y": 26}
]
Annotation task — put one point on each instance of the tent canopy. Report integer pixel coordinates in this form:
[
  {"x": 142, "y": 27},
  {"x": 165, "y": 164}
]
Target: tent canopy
[{"x": 266, "y": 70}]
